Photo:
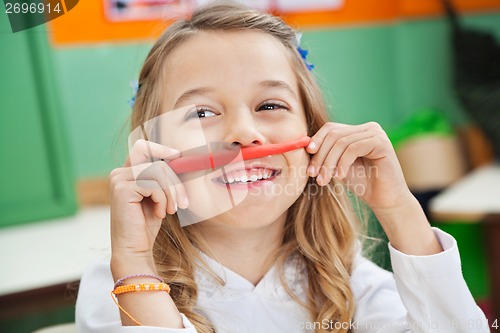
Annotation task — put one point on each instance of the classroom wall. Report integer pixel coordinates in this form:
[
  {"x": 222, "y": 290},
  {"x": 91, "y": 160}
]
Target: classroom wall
[
  {"x": 379, "y": 72},
  {"x": 374, "y": 72}
]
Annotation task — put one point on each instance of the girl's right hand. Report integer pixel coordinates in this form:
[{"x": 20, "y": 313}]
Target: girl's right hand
[{"x": 142, "y": 193}]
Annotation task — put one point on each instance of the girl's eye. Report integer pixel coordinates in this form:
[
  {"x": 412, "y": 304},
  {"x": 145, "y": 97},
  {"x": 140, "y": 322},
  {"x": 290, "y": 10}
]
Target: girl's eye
[
  {"x": 201, "y": 113},
  {"x": 205, "y": 113},
  {"x": 270, "y": 106}
]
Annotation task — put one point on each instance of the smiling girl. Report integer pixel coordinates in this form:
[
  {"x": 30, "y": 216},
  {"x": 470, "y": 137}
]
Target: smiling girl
[{"x": 284, "y": 258}]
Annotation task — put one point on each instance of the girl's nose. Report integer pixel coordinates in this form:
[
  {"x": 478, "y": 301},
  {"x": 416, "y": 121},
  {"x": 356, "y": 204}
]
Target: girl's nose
[{"x": 243, "y": 130}]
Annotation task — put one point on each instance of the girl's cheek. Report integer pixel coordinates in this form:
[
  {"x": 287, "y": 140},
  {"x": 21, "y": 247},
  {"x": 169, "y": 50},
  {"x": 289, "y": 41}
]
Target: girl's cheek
[
  {"x": 297, "y": 162},
  {"x": 284, "y": 126}
]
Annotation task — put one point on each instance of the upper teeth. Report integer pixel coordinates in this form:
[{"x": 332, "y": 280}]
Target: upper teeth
[{"x": 244, "y": 176}]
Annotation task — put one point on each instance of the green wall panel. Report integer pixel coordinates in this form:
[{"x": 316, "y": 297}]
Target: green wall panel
[
  {"x": 355, "y": 68},
  {"x": 24, "y": 160},
  {"x": 95, "y": 89},
  {"x": 36, "y": 179},
  {"x": 424, "y": 73}
]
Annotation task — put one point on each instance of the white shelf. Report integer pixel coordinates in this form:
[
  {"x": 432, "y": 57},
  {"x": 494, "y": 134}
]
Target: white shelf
[{"x": 41, "y": 254}]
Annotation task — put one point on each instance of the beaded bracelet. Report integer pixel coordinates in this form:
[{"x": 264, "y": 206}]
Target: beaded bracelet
[
  {"x": 122, "y": 280},
  {"x": 137, "y": 287},
  {"x": 141, "y": 287}
]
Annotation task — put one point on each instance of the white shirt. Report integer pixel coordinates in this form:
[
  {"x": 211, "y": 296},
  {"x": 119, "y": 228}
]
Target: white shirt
[{"x": 425, "y": 294}]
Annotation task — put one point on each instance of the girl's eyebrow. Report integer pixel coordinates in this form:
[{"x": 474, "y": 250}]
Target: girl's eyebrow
[
  {"x": 193, "y": 92},
  {"x": 278, "y": 84},
  {"x": 205, "y": 90}
]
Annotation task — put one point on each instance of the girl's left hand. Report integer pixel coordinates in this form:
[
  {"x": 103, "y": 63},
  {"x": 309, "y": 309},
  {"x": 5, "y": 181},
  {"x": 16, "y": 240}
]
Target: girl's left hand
[{"x": 363, "y": 157}]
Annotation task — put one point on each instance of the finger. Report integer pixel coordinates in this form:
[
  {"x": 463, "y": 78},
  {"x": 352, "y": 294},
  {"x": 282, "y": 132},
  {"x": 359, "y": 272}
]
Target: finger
[
  {"x": 161, "y": 173},
  {"x": 156, "y": 195},
  {"x": 136, "y": 191},
  {"x": 128, "y": 173},
  {"x": 362, "y": 148},
  {"x": 147, "y": 151},
  {"x": 119, "y": 175},
  {"x": 171, "y": 199},
  {"x": 330, "y": 163},
  {"x": 143, "y": 171},
  {"x": 318, "y": 138},
  {"x": 320, "y": 155},
  {"x": 180, "y": 190},
  {"x": 335, "y": 133},
  {"x": 169, "y": 180}
]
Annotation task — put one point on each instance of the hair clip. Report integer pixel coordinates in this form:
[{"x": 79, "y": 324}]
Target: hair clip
[
  {"x": 303, "y": 54},
  {"x": 135, "y": 88}
]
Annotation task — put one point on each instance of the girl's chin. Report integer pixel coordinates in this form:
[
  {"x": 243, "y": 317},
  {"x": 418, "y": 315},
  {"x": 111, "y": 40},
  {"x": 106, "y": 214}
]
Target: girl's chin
[
  {"x": 233, "y": 203},
  {"x": 240, "y": 221}
]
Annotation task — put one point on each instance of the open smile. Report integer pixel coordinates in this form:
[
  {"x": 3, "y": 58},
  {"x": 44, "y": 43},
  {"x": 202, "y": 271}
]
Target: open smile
[{"x": 257, "y": 175}]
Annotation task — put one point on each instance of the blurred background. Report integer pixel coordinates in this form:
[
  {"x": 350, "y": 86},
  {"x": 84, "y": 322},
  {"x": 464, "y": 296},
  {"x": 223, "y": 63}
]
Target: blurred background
[{"x": 428, "y": 77}]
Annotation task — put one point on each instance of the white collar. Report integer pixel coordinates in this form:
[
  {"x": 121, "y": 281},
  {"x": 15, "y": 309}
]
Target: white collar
[{"x": 236, "y": 286}]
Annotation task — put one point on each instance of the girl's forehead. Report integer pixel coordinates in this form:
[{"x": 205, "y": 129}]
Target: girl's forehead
[
  {"x": 232, "y": 48},
  {"x": 230, "y": 58},
  {"x": 231, "y": 40}
]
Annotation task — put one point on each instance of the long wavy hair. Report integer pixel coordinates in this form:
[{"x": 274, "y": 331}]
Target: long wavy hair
[{"x": 321, "y": 229}]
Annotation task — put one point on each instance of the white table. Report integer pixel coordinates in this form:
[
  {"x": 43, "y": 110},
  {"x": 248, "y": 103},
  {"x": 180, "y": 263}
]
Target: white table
[
  {"x": 40, "y": 255},
  {"x": 476, "y": 198},
  {"x": 471, "y": 198}
]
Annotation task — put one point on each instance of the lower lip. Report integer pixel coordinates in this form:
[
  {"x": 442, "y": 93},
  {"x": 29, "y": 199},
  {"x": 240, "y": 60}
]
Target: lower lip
[{"x": 249, "y": 185}]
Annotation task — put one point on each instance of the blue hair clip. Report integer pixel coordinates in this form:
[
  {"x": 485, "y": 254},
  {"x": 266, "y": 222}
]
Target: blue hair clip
[
  {"x": 303, "y": 54},
  {"x": 135, "y": 88}
]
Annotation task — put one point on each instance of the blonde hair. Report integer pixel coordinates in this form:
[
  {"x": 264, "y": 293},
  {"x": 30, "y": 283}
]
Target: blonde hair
[{"x": 319, "y": 229}]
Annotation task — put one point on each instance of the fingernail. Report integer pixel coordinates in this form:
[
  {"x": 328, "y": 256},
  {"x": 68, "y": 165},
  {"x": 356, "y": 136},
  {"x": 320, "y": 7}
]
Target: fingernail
[
  {"x": 186, "y": 202},
  {"x": 312, "y": 145},
  {"x": 319, "y": 179},
  {"x": 175, "y": 207},
  {"x": 336, "y": 174},
  {"x": 172, "y": 152}
]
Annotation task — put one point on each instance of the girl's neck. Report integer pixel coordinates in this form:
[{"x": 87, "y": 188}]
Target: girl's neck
[{"x": 248, "y": 252}]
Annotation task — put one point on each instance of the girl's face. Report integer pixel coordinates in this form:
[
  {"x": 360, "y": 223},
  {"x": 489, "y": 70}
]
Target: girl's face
[{"x": 246, "y": 94}]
